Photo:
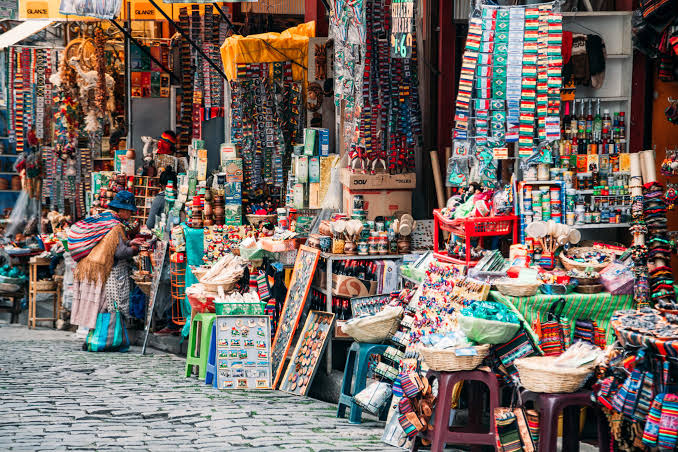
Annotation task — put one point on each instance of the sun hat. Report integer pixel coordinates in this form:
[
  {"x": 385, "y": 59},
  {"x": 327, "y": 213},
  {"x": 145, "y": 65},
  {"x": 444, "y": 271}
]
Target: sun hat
[{"x": 123, "y": 200}]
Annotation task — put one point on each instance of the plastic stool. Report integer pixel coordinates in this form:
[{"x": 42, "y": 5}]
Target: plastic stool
[
  {"x": 355, "y": 376},
  {"x": 211, "y": 365},
  {"x": 469, "y": 435},
  {"x": 204, "y": 321},
  {"x": 550, "y": 406}
]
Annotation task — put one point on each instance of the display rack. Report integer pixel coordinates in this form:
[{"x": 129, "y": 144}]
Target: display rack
[
  {"x": 520, "y": 205},
  {"x": 471, "y": 228},
  {"x": 615, "y": 29},
  {"x": 327, "y": 290},
  {"x": 145, "y": 190}
]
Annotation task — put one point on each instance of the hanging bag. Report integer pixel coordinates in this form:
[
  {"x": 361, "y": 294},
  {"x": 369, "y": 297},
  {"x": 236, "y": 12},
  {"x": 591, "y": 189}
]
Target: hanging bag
[
  {"x": 552, "y": 338},
  {"x": 109, "y": 333}
]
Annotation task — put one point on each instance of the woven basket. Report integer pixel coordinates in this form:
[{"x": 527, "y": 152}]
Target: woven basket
[
  {"x": 228, "y": 285},
  {"x": 9, "y": 288},
  {"x": 667, "y": 311},
  {"x": 199, "y": 272},
  {"x": 256, "y": 220},
  {"x": 45, "y": 284},
  {"x": 448, "y": 361},
  {"x": 570, "y": 264},
  {"x": 375, "y": 331},
  {"x": 589, "y": 288},
  {"x": 516, "y": 288},
  {"x": 538, "y": 374},
  {"x": 145, "y": 287}
]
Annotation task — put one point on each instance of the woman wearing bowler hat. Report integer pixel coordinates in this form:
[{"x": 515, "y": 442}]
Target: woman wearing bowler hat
[{"x": 100, "y": 246}]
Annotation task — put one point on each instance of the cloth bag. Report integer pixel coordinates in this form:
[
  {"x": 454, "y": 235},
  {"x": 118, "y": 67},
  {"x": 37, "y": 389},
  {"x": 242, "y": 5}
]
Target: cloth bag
[
  {"x": 109, "y": 334},
  {"x": 550, "y": 332}
]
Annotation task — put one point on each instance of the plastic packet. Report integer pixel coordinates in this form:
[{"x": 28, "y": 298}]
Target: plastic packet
[{"x": 374, "y": 397}]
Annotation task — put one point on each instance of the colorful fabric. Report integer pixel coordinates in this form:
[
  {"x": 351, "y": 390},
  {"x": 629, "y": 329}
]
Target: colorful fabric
[
  {"x": 652, "y": 423},
  {"x": 533, "y": 424},
  {"x": 596, "y": 307},
  {"x": 85, "y": 234},
  {"x": 518, "y": 347},
  {"x": 507, "y": 430},
  {"x": 668, "y": 423},
  {"x": 645, "y": 397}
]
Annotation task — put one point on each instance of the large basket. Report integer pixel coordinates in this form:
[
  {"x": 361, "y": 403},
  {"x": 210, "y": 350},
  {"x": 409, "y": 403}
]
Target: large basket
[
  {"x": 373, "y": 331},
  {"x": 517, "y": 288},
  {"x": 256, "y": 220},
  {"x": 45, "y": 284},
  {"x": 198, "y": 272},
  {"x": 537, "y": 374},
  {"x": 570, "y": 264},
  {"x": 9, "y": 288},
  {"x": 145, "y": 287},
  {"x": 448, "y": 361}
]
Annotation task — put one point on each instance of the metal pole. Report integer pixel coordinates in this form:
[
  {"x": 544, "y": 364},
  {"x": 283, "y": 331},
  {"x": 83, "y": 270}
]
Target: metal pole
[
  {"x": 129, "y": 36},
  {"x": 128, "y": 81},
  {"x": 190, "y": 41}
]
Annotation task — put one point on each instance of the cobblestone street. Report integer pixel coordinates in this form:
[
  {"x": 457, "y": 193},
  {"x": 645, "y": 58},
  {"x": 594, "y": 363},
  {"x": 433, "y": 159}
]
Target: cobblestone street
[{"x": 54, "y": 396}]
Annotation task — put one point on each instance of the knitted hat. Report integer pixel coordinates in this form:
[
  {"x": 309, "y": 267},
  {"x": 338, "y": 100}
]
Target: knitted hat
[{"x": 167, "y": 143}]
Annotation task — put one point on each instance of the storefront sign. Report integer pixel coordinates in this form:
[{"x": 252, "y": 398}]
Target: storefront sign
[
  {"x": 143, "y": 10},
  {"x": 402, "y": 26}
]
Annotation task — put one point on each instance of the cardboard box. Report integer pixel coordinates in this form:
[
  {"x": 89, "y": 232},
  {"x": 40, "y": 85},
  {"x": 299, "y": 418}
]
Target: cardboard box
[
  {"x": 314, "y": 195},
  {"x": 279, "y": 246},
  {"x": 379, "y": 202},
  {"x": 379, "y": 181},
  {"x": 348, "y": 286}
]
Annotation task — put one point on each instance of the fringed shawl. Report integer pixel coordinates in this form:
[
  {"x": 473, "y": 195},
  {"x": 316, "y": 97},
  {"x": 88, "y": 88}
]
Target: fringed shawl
[{"x": 98, "y": 264}]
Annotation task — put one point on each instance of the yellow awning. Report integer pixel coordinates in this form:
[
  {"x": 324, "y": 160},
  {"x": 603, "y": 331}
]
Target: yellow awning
[{"x": 291, "y": 44}]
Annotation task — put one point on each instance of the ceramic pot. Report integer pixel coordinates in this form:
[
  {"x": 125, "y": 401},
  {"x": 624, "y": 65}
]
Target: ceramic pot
[
  {"x": 130, "y": 155},
  {"x": 404, "y": 246},
  {"x": 350, "y": 248}
]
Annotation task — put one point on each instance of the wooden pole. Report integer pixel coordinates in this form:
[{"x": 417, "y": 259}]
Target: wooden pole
[{"x": 435, "y": 166}]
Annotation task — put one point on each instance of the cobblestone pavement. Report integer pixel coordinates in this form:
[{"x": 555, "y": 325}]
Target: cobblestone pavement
[{"x": 54, "y": 396}]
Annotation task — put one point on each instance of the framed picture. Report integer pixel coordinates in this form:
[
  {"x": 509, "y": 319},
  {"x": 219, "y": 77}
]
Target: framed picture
[
  {"x": 243, "y": 347},
  {"x": 304, "y": 268},
  {"x": 306, "y": 356}
]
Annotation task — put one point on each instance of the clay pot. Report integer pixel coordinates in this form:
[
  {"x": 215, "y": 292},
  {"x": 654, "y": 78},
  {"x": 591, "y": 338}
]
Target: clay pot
[
  {"x": 404, "y": 246},
  {"x": 313, "y": 241},
  {"x": 208, "y": 210},
  {"x": 219, "y": 211},
  {"x": 16, "y": 183},
  {"x": 324, "y": 228},
  {"x": 130, "y": 155},
  {"x": 350, "y": 248}
]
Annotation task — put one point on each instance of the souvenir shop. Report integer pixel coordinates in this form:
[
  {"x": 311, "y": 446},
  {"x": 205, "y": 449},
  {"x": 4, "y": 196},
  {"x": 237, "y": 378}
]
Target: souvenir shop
[{"x": 275, "y": 225}]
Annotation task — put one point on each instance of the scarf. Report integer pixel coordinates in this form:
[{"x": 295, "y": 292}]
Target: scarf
[
  {"x": 98, "y": 264},
  {"x": 84, "y": 235}
]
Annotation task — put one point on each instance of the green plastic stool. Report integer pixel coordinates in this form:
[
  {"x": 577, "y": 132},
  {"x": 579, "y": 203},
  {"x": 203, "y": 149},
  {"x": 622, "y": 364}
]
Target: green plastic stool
[{"x": 206, "y": 320}]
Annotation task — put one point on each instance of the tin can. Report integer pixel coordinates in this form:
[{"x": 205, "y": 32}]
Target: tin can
[
  {"x": 568, "y": 177},
  {"x": 283, "y": 220},
  {"x": 569, "y": 218},
  {"x": 358, "y": 202}
]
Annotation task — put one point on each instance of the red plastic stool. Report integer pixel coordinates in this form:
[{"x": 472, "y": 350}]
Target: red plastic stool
[
  {"x": 549, "y": 407},
  {"x": 442, "y": 433}
]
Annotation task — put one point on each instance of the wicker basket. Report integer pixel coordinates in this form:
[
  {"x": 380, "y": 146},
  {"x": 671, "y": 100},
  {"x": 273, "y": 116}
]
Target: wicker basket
[
  {"x": 45, "y": 284},
  {"x": 199, "y": 272},
  {"x": 589, "y": 288},
  {"x": 667, "y": 311},
  {"x": 373, "y": 330},
  {"x": 9, "y": 288},
  {"x": 517, "y": 288},
  {"x": 448, "y": 361},
  {"x": 256, "y": 220},
  {"x": 538, "y": 374},
  {"x": 570, "y": 264},
  {"x": 145, "y": 287},
  {"x": 228, "y": 286}
]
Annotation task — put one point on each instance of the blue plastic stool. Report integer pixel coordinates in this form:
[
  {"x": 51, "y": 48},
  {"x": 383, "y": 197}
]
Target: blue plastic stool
[
  {"x": 211, "y": 365},
  {"x": 355, "y": 377}
]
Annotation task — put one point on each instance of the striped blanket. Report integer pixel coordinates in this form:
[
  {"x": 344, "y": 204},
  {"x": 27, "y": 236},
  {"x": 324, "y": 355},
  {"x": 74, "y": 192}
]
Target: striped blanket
[{"x": 85, "y": 234}]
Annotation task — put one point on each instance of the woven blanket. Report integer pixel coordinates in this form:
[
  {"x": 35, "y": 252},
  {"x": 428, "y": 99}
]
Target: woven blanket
[{"x": 85, "y": 234}]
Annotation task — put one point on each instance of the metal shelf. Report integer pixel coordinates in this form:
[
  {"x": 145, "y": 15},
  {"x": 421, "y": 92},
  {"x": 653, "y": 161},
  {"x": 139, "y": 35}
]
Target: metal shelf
[
  {"x": 10, "y": 191},
  {"x": 9, "y": 155},
  {"x": 601, "y": 225},
  {"x": 595, "y": 13},
  {"x": 8, "y": 173},
  {"x": 346, "y": 257}
]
